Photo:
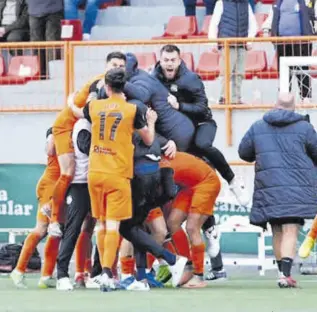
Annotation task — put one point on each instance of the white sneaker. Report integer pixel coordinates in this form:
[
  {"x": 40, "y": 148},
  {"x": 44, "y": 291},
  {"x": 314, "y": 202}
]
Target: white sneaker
[
  {"x": 139, "y": 286},
  {"x": 177, "y": 270},
  {"x": 46, "y": 282},
  {"x": 239, "y": 191},
  {"x": 54, "y": 229},
  {"x": 64, "y": 284},
  {"x": 212, "y": 239},
  {"x": 86, "y": 37},
  {"x": 94, "y": 283},
  {"x": 107, "y": 283},
  {"x": 18, "y": 279}
]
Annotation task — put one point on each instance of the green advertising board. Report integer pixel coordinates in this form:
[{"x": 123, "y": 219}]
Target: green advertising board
[{"x": 18, "y": 207}]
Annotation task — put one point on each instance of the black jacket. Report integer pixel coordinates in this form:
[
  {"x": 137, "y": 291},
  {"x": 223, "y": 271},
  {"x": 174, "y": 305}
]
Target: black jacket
[
  {"x": 22, "y": 17},
  {"x": 189, "y": 90}
]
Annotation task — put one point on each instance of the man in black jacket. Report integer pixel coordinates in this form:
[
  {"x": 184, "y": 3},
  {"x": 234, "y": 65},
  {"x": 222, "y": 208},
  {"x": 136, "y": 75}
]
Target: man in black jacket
[{"x": 14, "y": 24}]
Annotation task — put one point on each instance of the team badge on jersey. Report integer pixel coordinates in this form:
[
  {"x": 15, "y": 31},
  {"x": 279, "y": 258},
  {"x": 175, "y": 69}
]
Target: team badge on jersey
[{"x": 174, "y": 88}]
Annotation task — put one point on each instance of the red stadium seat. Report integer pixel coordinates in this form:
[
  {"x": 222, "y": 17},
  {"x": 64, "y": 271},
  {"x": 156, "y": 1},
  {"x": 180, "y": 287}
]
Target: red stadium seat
[
  {"x": 260, "y": 18},
  {"x": 272, "y": 72},
  {"x": 180, "y": 27},
  {"x": 208, "y": 66},
  {"x": 267, "y": 1},
  {"x": 72, "y": 30},
  {"x": 22, "y": 69},
  {"x": 200, "y": 3},
  {"x": 188, "y": 59},
  {"x": 204, "y": 30},
  {"x": 1, "y": 66},
  {"x": 146, "y": 61},
  {"x": 256, "y": 62}
]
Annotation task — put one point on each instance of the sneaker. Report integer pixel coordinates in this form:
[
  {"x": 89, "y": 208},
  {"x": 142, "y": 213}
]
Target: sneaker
[
  {"x": 107, "y": 284},
  {"x": 163, "y": 274},
  {"x": 80, "y": 281},
  {"x": 64, "y": 284},
  {"x": 213, "y": 275},
  {"x": 131, "y": 283},
  {"x": 306, "y": 247},
  {"x": 18, "y": 279},
  {"x": 153, "y": 283},
  {"x": 46, "y": 282},
  {"x": 196, "y": 282},
  {"x": 239, "y": 191},
  {"x": 212, "y": 239},
  {"x": 94, "y": 282},
  {"x": 124, "y": 283},
  {"x": 54, "y": 229},
  {"x": 286, "y": 282},
  {"x": 177, "y": 270}
]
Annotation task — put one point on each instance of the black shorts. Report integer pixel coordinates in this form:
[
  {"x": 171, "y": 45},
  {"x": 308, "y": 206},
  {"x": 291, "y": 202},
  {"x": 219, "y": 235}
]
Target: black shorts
[{"x": 287, "y": 220}]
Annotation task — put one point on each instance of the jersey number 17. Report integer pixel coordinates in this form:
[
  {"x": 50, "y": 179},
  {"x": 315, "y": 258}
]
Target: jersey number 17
[{"x": 103, "y": 116}]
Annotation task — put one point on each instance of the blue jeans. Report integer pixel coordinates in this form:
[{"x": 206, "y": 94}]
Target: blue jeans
[
  {"x": 190, "y": 7},
  {"x": 92, "y": 6}
]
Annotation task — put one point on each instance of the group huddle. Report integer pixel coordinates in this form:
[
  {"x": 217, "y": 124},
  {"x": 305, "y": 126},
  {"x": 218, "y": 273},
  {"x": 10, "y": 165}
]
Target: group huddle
[{"x": 132, "y": 158}]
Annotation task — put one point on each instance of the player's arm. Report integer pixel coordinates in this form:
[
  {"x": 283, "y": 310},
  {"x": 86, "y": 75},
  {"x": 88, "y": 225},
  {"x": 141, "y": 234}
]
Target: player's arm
[
  {"x": 246, "y": 148},
  {"x": 144, "y": 123},
  {"x": 137, "y": 90},
  {"x": 77, "y": 111},
  {"x": 49, "y": 145}
]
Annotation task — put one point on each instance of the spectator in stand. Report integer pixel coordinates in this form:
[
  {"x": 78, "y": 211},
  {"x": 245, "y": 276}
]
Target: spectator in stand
[
  {"x": 293, "y": 18},
  {"x": 283, "y": 146},
  {"x": 190, "y": 7},
  {"x": 233, "y": 18},
  {"x": 92, "y": 6},
  {"x": 14, "y": 21},
  {"x": 45, "y": 18}
]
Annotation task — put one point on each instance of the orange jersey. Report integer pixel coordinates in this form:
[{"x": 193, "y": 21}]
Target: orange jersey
[
  {"x": 81, "y": 97},
  {"x": 113, "y": 122},
  {"x": 65, "y": 120},
  {"x": 188, "y": 169}
]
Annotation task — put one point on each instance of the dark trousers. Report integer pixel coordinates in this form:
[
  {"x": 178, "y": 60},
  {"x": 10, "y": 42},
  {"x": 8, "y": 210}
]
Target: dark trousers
[
  {"x": 16, "y": 35},
  {"x": 190, "y": 7},
  {"x": 78, "y": 206},
  {"x": 46, "y": 28},
  {"x": 204, "y": 138},
  {"x": 297, "y": 49}
]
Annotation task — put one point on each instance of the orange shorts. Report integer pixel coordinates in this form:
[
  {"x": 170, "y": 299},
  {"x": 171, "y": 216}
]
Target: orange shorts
[
  {"x": 44, "y": 192},
  {"x": 200, "y": 198},
  {"x": 110, "y": 196},
  {"x": 154, "y": 214}
]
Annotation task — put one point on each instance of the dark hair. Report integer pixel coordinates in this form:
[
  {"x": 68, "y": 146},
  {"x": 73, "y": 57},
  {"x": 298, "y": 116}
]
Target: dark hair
[
  {"x": 171, "y": 48},
  {"x": 116, "y": 78},
  {"x": 117, "y": 54}
]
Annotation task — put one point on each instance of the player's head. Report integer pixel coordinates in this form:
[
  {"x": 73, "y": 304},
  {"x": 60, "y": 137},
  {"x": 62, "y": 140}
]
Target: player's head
[
  {"x": 170, "y": 60},
  {"x": 115, "y": 60},
  {"x": 115, "y": 80},
  {"x": 285, "y": 101}
]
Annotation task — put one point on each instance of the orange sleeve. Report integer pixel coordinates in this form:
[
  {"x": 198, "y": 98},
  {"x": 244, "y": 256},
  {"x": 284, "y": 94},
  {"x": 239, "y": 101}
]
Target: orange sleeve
[{"x": 82, "y": 95}]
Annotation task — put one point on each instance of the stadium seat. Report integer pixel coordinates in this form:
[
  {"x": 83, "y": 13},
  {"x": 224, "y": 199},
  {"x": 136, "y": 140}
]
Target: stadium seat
[
  {"x": 267, "y": 1},
  {"x": 204, "y": 30},
  {"x": 260, "y": 18},
  {"x": 256, "y": 62},
  {"x": 208, "y": 66},
  {"x": 200, "y": 3},
  {"x": 146, "y": 61},
  {"x": 180, "y": 27},
  {"x": 21, "y": 69},
  {"x": 72, "y": 30},
  {"x": 188, "y": 59},
  {"x": 1, "y": 66},
  {"x": 271, "y": 72}
]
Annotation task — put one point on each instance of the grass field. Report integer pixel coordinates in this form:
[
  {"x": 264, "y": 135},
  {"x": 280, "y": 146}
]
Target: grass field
[{"x": 240, "y": 293}]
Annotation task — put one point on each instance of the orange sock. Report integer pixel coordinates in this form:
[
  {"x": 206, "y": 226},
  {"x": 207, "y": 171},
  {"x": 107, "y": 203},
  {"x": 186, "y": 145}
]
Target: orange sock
[
  {"x": 100, "y": 243},
  {"x": 198, "y": 253},
  {"x": 313, "y": 230},
  {"x": 27, "y": 251},
  {"x": 50, "y": 255},
  {"x": 81, "y": 251},
  {"x": 58, "y": 197},
  {"x": 111, "y": 244},
  {"x": 170, "y": 247},
  {"x": 181, "y": 243},
  {"x": 127, "y": 265},
  {"x": 150, "y": 260}
]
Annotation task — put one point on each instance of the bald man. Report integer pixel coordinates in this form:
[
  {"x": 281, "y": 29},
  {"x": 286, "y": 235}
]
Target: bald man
[{"x": 284, "y": 147}]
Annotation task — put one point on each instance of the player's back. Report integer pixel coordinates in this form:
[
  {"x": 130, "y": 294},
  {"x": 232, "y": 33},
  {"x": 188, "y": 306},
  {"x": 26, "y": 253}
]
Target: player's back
[
  {"x": 111, "y": 149},
  {"x": 188, "y": 169}
]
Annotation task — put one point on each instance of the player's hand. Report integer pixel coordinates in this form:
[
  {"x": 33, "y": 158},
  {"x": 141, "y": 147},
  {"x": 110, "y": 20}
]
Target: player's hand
[
  {"x": 172, "y": 100},
  {"x": 46, "y": 210},
  {"x": 170, "y": 149},
  {"x": 71, "y": 99},
  {"x": 151, "y": 116}
]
